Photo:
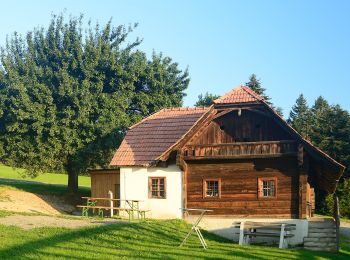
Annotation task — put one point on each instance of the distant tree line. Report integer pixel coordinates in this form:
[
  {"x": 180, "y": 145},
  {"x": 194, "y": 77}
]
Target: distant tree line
[{"x": 326, "y": 126}]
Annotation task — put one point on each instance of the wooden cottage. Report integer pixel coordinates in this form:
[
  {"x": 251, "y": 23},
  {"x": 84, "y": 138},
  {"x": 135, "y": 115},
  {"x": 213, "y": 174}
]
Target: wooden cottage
[{"x": 237, "y": 157}]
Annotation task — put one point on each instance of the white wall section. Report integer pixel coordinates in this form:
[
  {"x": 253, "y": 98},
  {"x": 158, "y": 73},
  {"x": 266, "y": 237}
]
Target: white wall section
[{"x": 134, "y": 186}]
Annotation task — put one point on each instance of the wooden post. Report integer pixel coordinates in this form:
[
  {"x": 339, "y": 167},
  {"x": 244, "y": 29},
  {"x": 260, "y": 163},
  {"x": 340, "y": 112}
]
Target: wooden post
[
  {"x": 303, "y": 169},
  {"x": 336, "y": 215},
  {"x": 302, "y": 195},
  {"x": 111, "y": 202}
]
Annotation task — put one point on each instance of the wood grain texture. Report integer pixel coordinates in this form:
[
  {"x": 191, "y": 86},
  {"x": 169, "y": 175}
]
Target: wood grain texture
[
  {"x": 102, "y": 182},
  {"x": 239, "y": 187}
]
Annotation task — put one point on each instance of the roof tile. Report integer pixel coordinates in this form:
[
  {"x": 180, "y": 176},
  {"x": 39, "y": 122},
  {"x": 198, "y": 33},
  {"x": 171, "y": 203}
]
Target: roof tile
[
  {"x": 148, "y": 139},
  {"x": 241, "y": 94}
]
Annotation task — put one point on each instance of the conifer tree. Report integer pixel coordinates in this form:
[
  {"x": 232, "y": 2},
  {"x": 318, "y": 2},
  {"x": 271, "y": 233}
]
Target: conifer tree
[
  {"x": 299, "y": 117},
  {"x": 255, "y": 85}
]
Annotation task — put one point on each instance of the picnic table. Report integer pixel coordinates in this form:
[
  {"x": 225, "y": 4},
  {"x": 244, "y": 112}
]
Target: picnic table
[
  {"x": 132, "y": 209},
  {"x": 249, "y": 229}
]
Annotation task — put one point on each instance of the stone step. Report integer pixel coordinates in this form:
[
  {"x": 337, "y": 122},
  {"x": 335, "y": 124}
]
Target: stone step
[
  {"x": 322, "y": 230},
  {"x": 330, "y": 235},
  {"x": 314, "y": 248},
  {"x": 328, "y": 224},
  {"x": 320, "y": 239},
  {"x": 320, "y": 244}
]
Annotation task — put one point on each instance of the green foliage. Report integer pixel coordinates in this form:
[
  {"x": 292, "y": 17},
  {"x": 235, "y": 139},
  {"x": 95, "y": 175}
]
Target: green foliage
[
  {"x": 206, "y": 100},
  {"x": 328, "y": 127},
  {"x": 148, "y": 240},
  {"x": 67, "y": 95},
  {"x": 255, "y": 85},
  {"x": 343, "y": 193},
  {"x": 300, "y": 117}
]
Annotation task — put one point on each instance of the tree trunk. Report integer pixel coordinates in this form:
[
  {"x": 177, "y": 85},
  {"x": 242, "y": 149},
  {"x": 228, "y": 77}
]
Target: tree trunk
[{"x": 72, "y": 182}]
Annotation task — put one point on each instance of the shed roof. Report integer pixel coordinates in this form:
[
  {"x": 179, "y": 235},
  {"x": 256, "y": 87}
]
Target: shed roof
[{"x": 148, "y": 139}]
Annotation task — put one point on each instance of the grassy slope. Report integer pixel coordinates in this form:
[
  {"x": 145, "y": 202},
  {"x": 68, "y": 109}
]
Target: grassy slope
[
  {"x": 151, "y": 240},
  {"x": 9, "y": 172}
]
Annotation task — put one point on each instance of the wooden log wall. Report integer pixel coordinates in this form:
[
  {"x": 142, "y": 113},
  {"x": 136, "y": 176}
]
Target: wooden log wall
[
  {"x": 249, "y": 127},
  {"x": 239, "y": 187}
]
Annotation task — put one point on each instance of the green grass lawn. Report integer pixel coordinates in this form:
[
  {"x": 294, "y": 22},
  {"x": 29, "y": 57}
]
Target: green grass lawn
[
  {"x": 50, "y": 178},
  {"x": 150, "y": 240}
]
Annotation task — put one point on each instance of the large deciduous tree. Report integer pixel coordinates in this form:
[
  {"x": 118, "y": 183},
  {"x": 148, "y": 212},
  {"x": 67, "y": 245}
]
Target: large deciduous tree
[{"x": 67, "y": 95}]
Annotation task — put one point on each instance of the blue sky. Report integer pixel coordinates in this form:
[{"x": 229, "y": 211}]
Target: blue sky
[{"x": 293, "y": 46}]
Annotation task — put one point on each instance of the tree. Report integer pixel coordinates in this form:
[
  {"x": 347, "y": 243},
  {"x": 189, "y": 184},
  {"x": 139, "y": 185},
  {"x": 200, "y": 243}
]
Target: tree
[
  {"x": 255, "y": 85},
  {"x": 67, "y": 97},
  {"x": 206, "y": 100},
  {"x": 300, "y": 117}
]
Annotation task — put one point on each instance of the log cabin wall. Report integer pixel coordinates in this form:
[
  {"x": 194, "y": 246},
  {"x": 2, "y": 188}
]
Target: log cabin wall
[
  {"x": 249, "y": 127},
  {"x": 103, "y": 181},
  {"x": 239, "y": 187}
]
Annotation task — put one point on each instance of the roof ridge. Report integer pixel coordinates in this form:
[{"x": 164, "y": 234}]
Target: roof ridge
[{"x": 252, "y": 92}]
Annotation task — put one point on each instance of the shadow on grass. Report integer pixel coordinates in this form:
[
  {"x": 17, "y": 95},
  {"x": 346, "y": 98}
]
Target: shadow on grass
[{"x": 151, "y": 240}]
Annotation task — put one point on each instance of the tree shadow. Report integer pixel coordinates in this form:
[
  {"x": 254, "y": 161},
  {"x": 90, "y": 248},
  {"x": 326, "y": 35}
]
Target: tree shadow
[{"x": 54, "y": 195}]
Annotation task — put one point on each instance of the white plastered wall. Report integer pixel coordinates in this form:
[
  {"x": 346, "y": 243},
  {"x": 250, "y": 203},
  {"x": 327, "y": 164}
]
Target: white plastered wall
[{"x": 134, "y": 186}]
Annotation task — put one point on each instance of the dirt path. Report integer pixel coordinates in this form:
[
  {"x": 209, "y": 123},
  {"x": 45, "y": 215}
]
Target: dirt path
[
  {"x": 22, "y": 201},
  {"x": 29, "y": 222}
]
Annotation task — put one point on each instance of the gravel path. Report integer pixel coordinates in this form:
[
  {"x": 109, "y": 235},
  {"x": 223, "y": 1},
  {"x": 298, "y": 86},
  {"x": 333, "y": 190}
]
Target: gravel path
[
  {"x": 29, "y": 222},
  {"x": 345, "y": 228}
]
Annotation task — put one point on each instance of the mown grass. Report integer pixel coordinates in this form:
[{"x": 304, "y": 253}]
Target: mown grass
[
  {"x": 49, "y": 178},
  {"x": 40, "y": 188},
  {"x": 150, "y": 240}
]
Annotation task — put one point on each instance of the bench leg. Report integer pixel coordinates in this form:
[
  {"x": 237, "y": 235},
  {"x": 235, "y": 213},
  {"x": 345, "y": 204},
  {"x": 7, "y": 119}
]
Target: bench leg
[
  {"x": 241, "y": 234},
  {"x": 282, "y": 234},
  {"x": 100, "y": 213},
  {"x": 85, "y": 212}
]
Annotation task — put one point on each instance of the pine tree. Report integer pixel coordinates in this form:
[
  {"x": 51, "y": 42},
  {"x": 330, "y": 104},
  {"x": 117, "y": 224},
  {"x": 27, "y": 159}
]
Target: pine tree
[
  {"x": 255, "y": 85},
  {"x": 206, "y": 100},
  {"x": 299, "y": 117}
]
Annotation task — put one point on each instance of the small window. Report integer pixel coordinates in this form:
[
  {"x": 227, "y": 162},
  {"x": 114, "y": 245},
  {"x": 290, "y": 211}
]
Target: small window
[
  {"x": 212, "y": 188},
  {"x": 156, "y": 187},
  {"x": 267, "y": 187}
]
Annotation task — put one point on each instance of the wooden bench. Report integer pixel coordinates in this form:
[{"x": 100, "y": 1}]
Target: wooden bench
[
  {"x": 85, "y": 211},
  {"x": 249, "y": 229}
]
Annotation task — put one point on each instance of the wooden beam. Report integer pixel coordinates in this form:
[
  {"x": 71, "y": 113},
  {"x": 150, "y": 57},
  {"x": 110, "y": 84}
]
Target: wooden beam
[
  {"x": 302, "y": 194},
  {"x": 239, "y": 156}
]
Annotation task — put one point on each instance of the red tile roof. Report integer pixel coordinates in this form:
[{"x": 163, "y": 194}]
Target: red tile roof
[
  {"x": 154, "y": 135},
  {"x": 241, "y": 94}
]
